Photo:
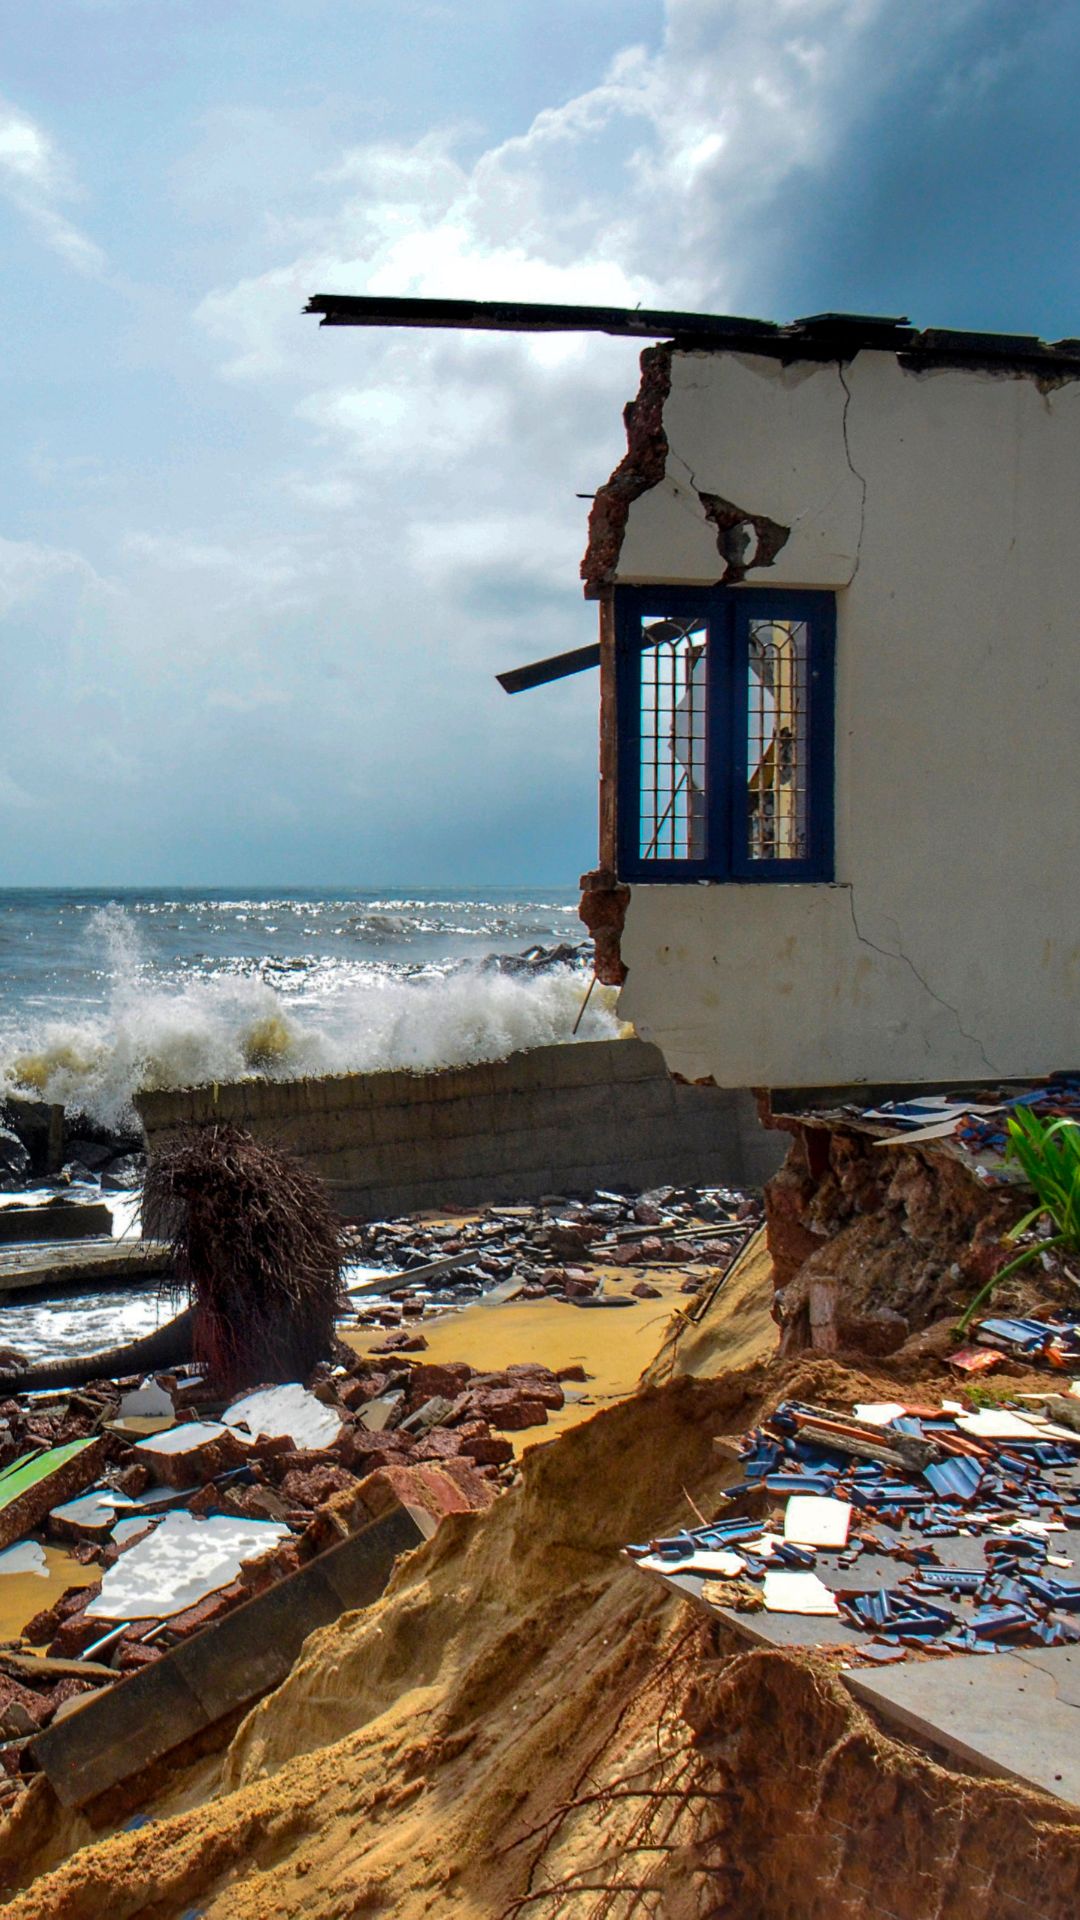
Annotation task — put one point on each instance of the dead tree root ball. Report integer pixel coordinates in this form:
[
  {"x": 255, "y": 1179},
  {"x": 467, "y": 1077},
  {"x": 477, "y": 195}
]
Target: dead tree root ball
[{"x": 258, "y": 1242}]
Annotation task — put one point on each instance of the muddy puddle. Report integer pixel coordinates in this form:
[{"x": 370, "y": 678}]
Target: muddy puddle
[{"x": 24, "y": 1594}]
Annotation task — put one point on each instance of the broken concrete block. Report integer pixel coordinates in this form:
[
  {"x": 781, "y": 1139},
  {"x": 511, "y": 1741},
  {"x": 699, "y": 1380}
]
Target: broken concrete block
[
  {"x": 289, "y": 1411},
  {"x": 193, "y": 1453},
  {"x": 28, "y": 1557},
  {"x": 22, "y": 1711},
  {"x": 90, "y": 1517},
  {"x": 179, "y": 1564},
  {"x": 213, "y": 1673}
]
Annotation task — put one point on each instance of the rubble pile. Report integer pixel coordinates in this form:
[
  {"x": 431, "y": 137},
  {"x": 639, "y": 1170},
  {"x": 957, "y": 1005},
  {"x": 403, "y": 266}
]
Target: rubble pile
[
  {"x": 239, "y": 1497},
  {"x": 884, "y": 1222},
  {"x": 552, "y": 1249},
  {"x": 940, "y": 1529}
]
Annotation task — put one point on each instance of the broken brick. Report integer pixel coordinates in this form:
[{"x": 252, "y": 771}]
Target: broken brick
[
  {"x": 428, "y": 1381},
  {"x": 44, "y": 1625},
  {"x": 401, "y": 1343},
  {"x": 454, "y": 1486},
  {"x": 310, "y": 1487}
]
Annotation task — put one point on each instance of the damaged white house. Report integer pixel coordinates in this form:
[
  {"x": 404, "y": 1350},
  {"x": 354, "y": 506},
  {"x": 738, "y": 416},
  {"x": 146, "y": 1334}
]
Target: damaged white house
[{"x": 838, "y": 577}]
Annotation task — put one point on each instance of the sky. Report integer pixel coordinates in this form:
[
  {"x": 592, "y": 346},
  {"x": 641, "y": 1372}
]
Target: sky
[{"x": 256, "y": 579}]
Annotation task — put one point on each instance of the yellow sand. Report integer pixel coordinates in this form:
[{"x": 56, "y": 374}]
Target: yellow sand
[{"x": 613, "y": 1344}]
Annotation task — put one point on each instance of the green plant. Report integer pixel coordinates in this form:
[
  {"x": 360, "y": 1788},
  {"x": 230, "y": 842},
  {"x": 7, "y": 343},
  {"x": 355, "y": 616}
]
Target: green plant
[{"x": 1048, "y": 1153}]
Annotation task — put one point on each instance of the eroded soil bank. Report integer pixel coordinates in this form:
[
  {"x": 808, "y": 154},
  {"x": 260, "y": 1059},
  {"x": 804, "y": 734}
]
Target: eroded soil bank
[{"x": 526, "y": 1726}]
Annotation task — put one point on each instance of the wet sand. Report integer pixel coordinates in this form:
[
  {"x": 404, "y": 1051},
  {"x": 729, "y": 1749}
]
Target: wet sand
[{"x": 613, "y": 1344}]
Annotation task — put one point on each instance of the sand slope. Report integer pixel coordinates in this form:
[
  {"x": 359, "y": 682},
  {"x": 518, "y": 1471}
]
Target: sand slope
[{"x": 525, "y": 1726}]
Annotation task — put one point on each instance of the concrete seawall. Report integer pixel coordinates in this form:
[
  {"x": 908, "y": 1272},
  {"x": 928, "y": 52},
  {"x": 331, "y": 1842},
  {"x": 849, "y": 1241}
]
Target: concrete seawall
[{"x": 561, "y": 1119}]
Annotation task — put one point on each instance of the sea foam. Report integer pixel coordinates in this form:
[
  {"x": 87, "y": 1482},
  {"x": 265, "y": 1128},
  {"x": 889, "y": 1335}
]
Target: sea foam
[{"x": 337, "y": 1016}]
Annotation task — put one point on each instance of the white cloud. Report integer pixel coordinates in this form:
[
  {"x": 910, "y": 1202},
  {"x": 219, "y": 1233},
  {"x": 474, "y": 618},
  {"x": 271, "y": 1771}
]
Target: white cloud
[
  {"x": 27, "y": 569},
  {"x": 36, "y": 180},
  {"x": 257, "y": 566}
]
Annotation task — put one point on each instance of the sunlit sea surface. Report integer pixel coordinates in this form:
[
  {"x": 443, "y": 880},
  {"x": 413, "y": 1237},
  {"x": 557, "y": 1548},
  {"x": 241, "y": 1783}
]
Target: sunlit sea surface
[{"x": 102, "y": 993}]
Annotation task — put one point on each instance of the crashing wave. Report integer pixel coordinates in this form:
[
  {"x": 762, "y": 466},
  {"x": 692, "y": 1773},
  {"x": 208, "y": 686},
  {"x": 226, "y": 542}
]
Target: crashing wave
[{"x": 353, "y": 1017}]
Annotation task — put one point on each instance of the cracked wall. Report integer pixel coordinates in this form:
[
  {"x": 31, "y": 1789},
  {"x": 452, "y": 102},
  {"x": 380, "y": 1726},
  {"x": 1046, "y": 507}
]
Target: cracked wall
[{"x": 940, "y": 507}]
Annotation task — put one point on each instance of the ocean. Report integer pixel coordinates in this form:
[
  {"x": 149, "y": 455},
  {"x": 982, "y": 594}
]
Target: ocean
[{"x": 103, "y": 992}]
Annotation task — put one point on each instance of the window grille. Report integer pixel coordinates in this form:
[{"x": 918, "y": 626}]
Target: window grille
[
  {"x": 673, "y": 691},
  {"x": 724, "y": 702},
  {"x": 777, "y": 796}
]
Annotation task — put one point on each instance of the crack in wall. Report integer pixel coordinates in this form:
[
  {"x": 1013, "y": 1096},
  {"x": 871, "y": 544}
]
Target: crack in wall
[
  {"x": 745, "y": 540},
  {"x": 856, "y": 475},
  {"x": 898, "y": 953}
]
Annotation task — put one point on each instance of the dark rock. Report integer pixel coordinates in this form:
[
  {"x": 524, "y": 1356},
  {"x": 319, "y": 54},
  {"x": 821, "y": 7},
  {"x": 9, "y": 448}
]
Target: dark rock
[
  {"x": 14, "y": 1161},
  {"x": 401, "y": 1343},
  {"x": 123, "y": 1173},
  {"x": 645, "y": 1291},
  {"x": 570, "y": 1238},
  {"x": 89, "y": 1154},
  {"x": 647, "y": 1216}
]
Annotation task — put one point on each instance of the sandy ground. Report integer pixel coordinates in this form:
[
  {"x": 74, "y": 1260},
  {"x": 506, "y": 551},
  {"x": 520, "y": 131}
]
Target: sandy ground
[
  {"x": 613, "y": 1344},
  {"x": 525, "y": 1727}
]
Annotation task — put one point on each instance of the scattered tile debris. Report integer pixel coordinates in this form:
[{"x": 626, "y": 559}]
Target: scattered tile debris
[{"x": 937, "y": 1529}]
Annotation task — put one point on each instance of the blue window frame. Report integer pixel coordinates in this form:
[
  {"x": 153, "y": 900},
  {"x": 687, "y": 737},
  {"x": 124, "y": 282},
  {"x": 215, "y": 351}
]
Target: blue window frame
[{"x": 724, "y": 700}]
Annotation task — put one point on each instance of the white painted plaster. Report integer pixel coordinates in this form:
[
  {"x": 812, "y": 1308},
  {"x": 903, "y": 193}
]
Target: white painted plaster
[{"x": 945, "y": 519}]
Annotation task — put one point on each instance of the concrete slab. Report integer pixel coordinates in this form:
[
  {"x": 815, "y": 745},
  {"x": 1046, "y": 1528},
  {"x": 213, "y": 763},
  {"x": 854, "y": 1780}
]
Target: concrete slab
[
  {"x": 82, "y": 1263},
  {"x": 56, "y": 1220},
  {"x": 767, "y": 1629},
  {"x": 1001, "y": 1716},
  {"x": 227, "y": 1665},
  {"x": 1063, "y": 1666}
]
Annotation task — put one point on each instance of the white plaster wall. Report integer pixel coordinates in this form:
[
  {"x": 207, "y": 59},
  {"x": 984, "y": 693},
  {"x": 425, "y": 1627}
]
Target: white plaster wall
[{"x": 942, "y": 507}]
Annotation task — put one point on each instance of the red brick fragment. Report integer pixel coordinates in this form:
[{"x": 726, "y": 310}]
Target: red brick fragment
[
  {"x": 428, "y": 1381},
  {"x": 443, "y": 1443},
  {"x": 71, "y": 1602},
  {"x": 454, "y": 1486},
  {"x": 487, "y": 1449},
  {"x": 133, "y": 1655},
  {"x": 310, "y": 1487},
  {"x": 132, "y": 1480},
  {"x": 205, "y": 1612}
]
